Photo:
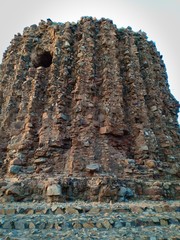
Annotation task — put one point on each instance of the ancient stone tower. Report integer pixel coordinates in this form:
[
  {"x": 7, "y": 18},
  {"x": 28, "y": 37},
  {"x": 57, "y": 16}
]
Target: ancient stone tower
[{"x": 86, "y": 109}]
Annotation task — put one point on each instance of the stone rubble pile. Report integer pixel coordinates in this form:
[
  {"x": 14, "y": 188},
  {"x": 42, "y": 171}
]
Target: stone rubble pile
[{"x": 141, "y": 220}]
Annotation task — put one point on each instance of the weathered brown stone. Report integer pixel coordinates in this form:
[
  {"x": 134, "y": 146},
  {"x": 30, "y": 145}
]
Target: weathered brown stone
[
  {"x": 30, "y": 211},
  {"x": 59, "y": 211},
  {"x": 153, "y": 191},
  {"x": 136, "y": 209},
  {"x": 99, "y": 225},
  {"x": 2, "y": 211},
  {"x": 10, "y": 211},
  {"x": 88, "y": 224},
  {"x": 71, "y": 210},
  {"x": 150, "y": 163},
  {"x": 163, "y": 222},
  {"x": 84, "y": 94},
  {"x": 77, "y": 225},
  {"x": 32, "y": 225},
  {"x": 94, "y": 211},
  {"x": 106, "y": 224}
]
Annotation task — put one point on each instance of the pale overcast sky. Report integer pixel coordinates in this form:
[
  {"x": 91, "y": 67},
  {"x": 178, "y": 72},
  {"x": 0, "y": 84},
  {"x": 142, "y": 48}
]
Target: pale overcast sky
[{"x": 160, "y": 19}]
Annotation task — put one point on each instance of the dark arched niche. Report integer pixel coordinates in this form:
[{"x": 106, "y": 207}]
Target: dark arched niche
[{"x": 41, "y": 58}]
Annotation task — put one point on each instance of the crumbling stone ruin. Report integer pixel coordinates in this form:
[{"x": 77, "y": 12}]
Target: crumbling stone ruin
[{"x": 86, "y": 113}]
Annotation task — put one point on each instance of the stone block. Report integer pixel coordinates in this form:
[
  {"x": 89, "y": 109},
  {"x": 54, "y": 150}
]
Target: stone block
[
  {"x": 144, "y": 148},
  {"x": 99, "y": 225},
  {"x": 88, "y": 224},
  {"x": 156, "y": 220},
  {"x": 163, "y": 222},
  {"x": 71, "y": 210},
  {"x": 94, "y": 167},
  {"x": 19, "y": 225},
  {"x": 39, "y": 211},
  {"x": 14, "y": 169},
  {"x": 77, "y": 225},
  {"x": 40, "y": 160},
  {"x": 154, "y": 108},
  {"x": 31, "y": 225},
  {"x": 153, "y": 191},
  {"x": 125, "y": 192},
  {"x": 158, "y": 209},
  {"x": 2, "y": 211},
  {"x": 150, "y": 163},
  {"x": 59, "y": 211},
  {"x": 8, "y": 225},
  {"x": 15, "y": 190},
  {"x": 105, "y": 130},
  {"x": 106, "y": 224},
  {"x": 94, "y": 211},
  {"x": 136, "y": 209},
  {"x": 30, "y": 211},
  {"x": 10, "y": 211},
  {"x": 54, "y": 190}
]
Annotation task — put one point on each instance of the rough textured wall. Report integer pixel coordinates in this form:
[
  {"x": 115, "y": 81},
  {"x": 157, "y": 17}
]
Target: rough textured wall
[{"x": 86, "y": 99}]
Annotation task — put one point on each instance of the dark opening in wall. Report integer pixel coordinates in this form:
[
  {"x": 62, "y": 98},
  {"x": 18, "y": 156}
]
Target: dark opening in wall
[{"x": 41, "y": 58}]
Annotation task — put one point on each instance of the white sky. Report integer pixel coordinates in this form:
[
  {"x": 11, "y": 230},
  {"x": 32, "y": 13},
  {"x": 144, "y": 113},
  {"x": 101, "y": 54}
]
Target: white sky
[{"x": 160, "y": 19}]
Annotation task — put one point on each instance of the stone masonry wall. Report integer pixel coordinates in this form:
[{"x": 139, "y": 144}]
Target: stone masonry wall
[{"x": 86, "y": 99}]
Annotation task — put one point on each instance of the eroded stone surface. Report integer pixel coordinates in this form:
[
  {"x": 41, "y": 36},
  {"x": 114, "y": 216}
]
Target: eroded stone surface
[{"x": 87, "y": 100}]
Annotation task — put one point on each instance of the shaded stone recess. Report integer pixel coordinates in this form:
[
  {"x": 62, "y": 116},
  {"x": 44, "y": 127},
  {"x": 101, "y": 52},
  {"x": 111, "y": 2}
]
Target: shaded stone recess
[{"x": 86, "y": 100}]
